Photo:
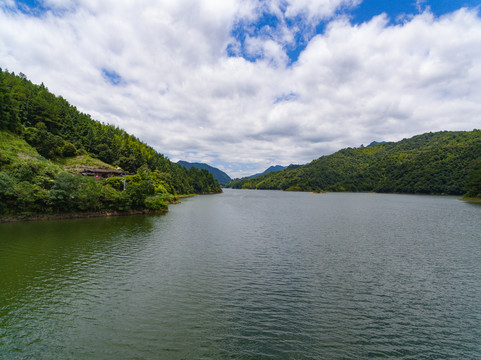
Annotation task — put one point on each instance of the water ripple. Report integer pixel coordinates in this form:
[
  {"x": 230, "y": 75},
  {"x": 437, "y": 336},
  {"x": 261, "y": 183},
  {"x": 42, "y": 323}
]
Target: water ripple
[{"x": 248, "y": 275}]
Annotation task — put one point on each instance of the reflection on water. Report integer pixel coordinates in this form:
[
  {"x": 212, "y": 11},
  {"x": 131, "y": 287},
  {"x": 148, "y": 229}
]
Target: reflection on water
[{"x": 248, "y": 274}]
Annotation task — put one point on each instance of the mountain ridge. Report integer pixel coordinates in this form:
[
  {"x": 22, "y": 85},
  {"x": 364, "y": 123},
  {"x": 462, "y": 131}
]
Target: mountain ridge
[
  {"x": 218, "y": 174},
  {"x": 272, "y": 168}
]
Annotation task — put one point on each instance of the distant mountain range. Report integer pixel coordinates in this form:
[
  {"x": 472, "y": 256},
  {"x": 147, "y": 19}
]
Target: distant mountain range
[
  {"x": 269, "y": 169},
  {"x": 219, "y": 175}
]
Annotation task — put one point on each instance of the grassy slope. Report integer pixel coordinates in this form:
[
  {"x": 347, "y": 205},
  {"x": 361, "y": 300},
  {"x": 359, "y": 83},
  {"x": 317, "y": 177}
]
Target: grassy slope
[
  {"x": 81, "y": 162},
  {"x": 13, "y": 147},
  {"x": 14, "y": 150}
]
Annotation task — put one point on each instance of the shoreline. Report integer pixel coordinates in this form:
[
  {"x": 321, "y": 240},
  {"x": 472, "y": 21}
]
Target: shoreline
[
  {"x": 471, "y": 200},
  {"x": 361, "y": 192},
  {"x": 66, "y": 216},
  {"x": 94, "y": 214}
]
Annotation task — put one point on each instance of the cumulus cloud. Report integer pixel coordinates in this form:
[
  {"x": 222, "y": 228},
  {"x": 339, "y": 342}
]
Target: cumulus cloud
[{"x": 164, "y": 72}]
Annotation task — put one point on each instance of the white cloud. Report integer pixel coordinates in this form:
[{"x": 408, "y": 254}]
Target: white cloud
[
  {"x": 182, "y": 94},
  {"x": 60, "y": 4},
  {"x": 317, "y": 9},
  {"x": 419, "y": 5}
]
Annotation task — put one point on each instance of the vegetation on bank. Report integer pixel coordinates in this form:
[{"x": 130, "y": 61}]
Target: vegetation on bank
[
  {"x": 473, "y": 187},
  {"x": 45, "y": 143},
  {"x": 432, "y": 163}
]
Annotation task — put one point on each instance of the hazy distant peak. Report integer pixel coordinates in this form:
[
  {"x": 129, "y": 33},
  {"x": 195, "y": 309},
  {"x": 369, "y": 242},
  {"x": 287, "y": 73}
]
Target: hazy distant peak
[
  {"x": 219, "y": 175},
  {"x": 269, "y": 169}
]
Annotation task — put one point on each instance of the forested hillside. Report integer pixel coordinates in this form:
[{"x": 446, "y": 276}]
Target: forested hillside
[
  {"x": 41, "y": 134},
  {"x": 431, "y": 163},
  {"x": 218, "y": 174}
]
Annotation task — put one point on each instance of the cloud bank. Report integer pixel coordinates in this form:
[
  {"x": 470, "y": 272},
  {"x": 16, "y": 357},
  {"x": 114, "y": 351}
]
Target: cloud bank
[{"x": 216, "y": 82}]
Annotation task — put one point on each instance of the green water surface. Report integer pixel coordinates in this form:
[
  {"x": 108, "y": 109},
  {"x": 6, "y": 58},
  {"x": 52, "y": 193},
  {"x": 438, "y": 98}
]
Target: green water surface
[{"x": 248, "y": 275}]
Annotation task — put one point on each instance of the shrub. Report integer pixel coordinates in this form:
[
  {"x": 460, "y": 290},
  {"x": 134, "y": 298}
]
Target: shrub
[
  {"x": 115, "y": 182},
  {"x": 155, "y": 203}
]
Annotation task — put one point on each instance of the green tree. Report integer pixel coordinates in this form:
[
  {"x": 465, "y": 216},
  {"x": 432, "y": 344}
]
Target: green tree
[
  {"x": 88, "y": 194},
  {"x": 155, "y": 203},
  {"x": 473, "y": 188},
  {"x": 115, "y": 182},
  {"x": 44, "y": 109},
  {"x": 8, "y": 115},
  {"x": 110, "y": 198},
  {"x": 68, "y": 150},
  {"x": 7, "y": 192},
  {"x": 62, "y": 193}
]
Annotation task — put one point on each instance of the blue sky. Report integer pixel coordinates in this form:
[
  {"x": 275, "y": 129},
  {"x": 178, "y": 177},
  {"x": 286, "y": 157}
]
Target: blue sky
[
  {"x": 246, "y": 84},
  {"x": 400, "y": 8},
  {"x": 397, "y": 11}
]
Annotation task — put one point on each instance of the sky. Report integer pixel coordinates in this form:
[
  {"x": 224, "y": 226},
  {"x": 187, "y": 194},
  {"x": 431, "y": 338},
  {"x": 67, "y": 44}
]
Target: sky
[{"x": 246, "y": 84}]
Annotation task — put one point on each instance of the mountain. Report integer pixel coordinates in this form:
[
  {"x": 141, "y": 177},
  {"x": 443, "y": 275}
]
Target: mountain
[
  {"x": 48, "y": 149},
  {"x": 273, "y": 168},
  {"x": 376, "y": 143},
  {"x": 433, "y": 163},
  {"x": 219, "y": 175}
]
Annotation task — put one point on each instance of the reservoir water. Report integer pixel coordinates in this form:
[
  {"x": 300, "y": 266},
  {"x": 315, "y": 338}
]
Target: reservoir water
[{"x": 248, "y": 275}]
